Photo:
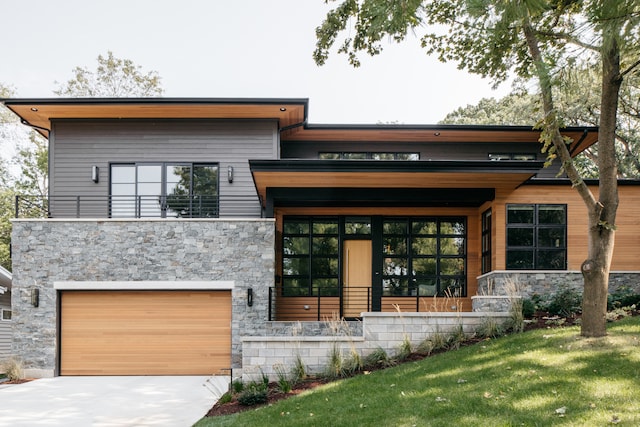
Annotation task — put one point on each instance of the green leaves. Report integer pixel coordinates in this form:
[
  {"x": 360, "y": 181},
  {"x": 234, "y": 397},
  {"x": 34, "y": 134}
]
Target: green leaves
[{"x": 113, "y": 78}]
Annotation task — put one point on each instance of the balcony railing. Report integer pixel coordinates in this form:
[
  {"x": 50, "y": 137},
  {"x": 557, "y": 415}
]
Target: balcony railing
[{"x": 90, "y": 206}]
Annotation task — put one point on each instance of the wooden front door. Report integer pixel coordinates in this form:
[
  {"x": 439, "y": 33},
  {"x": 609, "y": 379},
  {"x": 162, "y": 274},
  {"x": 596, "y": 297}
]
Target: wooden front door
[{"x": 356, "y": 275}]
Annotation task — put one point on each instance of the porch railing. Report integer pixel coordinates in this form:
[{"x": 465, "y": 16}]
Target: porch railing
[
  {"x": 172, "y": 206},
  {"x": 322, "y": 304}
]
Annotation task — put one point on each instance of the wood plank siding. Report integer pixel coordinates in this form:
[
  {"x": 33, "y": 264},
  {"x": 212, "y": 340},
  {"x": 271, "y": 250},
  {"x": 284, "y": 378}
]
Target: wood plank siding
[
  {"x": 78, "y": 145},
  {"x": 145, "y": 332},
  {"x": 625, "y": 256}
]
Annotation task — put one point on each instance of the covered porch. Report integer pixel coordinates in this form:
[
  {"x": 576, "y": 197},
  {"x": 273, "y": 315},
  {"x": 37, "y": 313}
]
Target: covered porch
[{"x": 356, "y": 237}]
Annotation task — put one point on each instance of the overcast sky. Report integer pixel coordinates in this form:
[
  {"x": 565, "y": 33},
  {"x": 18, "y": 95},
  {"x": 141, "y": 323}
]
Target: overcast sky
[{"x": 229, "y": 48}]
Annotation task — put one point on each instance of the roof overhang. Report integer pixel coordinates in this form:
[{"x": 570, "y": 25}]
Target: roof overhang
[
  {"x": 39, "y": 113},
  {"x": 409, "y": 183},
  {"x": 581, "y": 137}
]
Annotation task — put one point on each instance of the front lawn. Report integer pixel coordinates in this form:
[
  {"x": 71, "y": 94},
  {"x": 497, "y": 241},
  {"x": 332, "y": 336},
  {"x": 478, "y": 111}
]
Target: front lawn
[{"x": 538, "y": 378}]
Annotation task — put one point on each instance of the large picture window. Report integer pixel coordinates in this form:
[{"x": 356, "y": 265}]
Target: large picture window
[
  {"x": 424, "y": 256},
  {"x": 536, "y": 237},
  {"x": 310, "y": 257},
  {"x": 185, "y": 190},
  {"x": 417, "y": 256}
]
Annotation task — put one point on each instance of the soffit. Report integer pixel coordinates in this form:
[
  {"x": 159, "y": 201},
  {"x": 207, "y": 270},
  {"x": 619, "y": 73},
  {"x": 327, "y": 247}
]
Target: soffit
[
  {"x": 41, "y": 112},
  {"x": 322, "y": 174},
  {"x": 582, "y": 137}
]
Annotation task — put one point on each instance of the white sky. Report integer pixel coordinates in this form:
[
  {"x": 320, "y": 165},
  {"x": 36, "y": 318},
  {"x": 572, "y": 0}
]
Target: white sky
[{"x": 229, "y": 48}]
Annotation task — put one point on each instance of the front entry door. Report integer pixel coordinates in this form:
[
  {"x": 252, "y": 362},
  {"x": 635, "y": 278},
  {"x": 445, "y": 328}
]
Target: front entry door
[{"x": 356, "y": 275}]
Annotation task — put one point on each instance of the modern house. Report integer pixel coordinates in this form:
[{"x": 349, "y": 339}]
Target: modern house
[
  {"x": 191, "y": 236},
  {"x": 5, "y": 313}
]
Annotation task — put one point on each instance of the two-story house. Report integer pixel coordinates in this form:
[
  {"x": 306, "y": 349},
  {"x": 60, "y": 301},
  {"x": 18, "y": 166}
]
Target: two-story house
[{"x": 180, "y": 232}]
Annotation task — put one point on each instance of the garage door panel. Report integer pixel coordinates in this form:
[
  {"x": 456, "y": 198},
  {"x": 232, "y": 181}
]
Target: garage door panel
[{"x": 145, "y": 332}]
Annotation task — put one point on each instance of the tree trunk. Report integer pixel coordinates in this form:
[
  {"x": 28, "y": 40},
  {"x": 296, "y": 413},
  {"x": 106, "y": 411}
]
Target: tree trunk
[
  {"x": 602, "y": 216},
  {"x": 602, "y": 213}
]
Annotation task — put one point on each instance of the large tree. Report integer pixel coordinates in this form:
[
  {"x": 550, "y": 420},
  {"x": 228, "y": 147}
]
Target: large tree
[
  {"x": 578, "y": 100},
  {"x": 112, "y": 78},
  {"x": 532, "y": 39}
]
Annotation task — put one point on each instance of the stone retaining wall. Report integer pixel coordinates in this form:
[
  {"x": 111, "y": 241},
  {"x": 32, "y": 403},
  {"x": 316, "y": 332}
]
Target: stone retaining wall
[
  {"x": 379, "y": 330},
  {"x": 549, "y": 282}
]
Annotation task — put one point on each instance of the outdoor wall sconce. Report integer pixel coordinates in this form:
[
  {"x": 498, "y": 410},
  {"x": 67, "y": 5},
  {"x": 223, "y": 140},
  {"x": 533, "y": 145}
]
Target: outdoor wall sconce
[
  {"x": 35, "y": 297},
  {"x": 230, "y": 174},
  {"x": 250, "y": 297},
  {"x": 95, "y": 174}
]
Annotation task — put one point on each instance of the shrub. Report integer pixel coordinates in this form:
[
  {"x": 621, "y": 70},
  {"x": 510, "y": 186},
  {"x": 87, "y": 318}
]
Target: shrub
[
  {"x": 528, "y": 308},
  {"x": 624, "y": 296},
  {"x": 284, "y": 385},
  {"x": 489, "y": 328},
  {"x": 425, "y": 347},
  {"x": 566, "y": 303},
  {"x": 253, "y": 394},
  {"x": 354, "y": 363},
  {"x": 378, "y": 358},
  {"x": 13, "y": 369},
  {"x": 237, "y": 386},
  {"x": 226, "y": 398},
  {"x": 405, "y": 349},
  {"x": 456, "y": 338},
  {"x": 299, "y": 370},
  {"x": 335, "y": 367}
]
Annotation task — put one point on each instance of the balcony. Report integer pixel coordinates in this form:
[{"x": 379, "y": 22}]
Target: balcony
[{"x": 173, "y": 206}]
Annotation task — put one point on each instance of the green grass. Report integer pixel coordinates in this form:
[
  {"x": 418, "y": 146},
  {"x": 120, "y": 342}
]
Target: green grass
[{"x": 539, "y": 378}]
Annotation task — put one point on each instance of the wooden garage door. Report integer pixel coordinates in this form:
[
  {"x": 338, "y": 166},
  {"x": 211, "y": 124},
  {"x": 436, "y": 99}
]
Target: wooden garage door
[{"x": 145, "y": 332}]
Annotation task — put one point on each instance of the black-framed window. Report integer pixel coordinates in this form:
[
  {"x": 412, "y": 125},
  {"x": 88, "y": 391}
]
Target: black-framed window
[
  {"x": 310, "y": 252},
  {"x": 348, "y": 155},
  {"x": 512, "y": 156},
  {"x": 536, "y": 237},
  {"x": 188, "y": 190},
  {"x": 424, "y": 256},
  {"x": 486, "y": 241}
]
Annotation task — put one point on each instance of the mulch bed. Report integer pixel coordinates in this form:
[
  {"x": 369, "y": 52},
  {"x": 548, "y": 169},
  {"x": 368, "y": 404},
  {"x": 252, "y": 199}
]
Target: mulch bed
[{"x": 539, "y": 321}]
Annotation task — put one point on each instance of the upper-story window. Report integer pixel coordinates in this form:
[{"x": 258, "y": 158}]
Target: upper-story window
[
  {"x": 349, "y": 155},
  {"x": 536, "y": 237},
  {"x": 5, "y": 314},
  {"x": 185, "y": 190},
  {"x": 512, "y": 156}
]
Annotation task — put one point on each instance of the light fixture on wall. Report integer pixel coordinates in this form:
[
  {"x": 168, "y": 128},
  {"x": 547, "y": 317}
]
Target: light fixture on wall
[
  {"x": 230, "y": 174},
  {"x": 250, "y": 297},
  {"x": 95, "y": 174},
  {"x": 35, "y": 297}
]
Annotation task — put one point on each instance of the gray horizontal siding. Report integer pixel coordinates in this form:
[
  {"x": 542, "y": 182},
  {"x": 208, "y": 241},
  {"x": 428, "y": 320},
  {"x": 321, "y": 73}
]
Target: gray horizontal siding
[
  {"x": 5, "y": 327},
  {"x": 77, "y": 145}
]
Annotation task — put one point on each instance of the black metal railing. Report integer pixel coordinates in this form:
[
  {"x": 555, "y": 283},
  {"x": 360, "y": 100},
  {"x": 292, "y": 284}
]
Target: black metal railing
[
  {"x": 321, "y": 304},
  {"x": 172, "y": 206}
]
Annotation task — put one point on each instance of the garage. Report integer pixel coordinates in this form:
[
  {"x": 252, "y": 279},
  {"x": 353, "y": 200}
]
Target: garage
[{"x": 145, "y": 332}]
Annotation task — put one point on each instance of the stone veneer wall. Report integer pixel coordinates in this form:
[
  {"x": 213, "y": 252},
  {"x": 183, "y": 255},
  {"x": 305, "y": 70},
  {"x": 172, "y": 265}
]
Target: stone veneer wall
[
  {"x": 47, "y": 251},
  {"x": 549, "y": 282}
]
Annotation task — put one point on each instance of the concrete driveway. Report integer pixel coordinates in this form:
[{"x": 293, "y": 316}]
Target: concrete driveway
[{"x": 110, "y": 401}]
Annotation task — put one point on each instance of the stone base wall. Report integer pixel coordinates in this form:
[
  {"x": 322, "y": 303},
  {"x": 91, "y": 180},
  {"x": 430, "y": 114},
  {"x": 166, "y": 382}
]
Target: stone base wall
[
  {"x": 48, "y": 251},
  {"x": 531, "y": 283},
  {"x": 261, "y": 355}
]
